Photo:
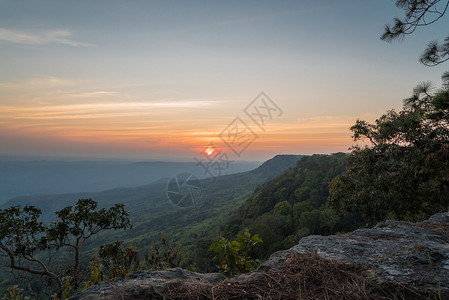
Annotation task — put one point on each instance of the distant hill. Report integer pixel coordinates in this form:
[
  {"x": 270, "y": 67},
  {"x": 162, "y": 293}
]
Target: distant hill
[{"x": 43, "y": 177}]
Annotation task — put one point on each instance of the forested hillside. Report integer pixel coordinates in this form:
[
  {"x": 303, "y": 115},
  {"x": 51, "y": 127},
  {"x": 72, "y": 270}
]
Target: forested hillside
[{"x": 293, "y": 205}]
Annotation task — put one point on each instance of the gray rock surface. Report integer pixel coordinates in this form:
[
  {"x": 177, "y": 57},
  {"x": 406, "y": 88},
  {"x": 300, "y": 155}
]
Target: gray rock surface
[
  {"x": 147, "y": 285},
  {"x": 413, "y": 255}
]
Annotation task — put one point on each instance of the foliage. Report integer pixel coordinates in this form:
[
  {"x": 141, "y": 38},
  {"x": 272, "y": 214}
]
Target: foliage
[
  {"x": 23, "y": 239},
  {"x": 164, "y": 256},
  {"x": 203, "y": 257},
  {"x": 96, "y": 271},
  {"x": 404, "y": 172},
  {"x": 419, "y": 13},
  {"x": 112, "y": 262},
  {"x": 14, "y": 293},
  {"x": 236, "y": 257},
  {"x": 283, "y": 208}
]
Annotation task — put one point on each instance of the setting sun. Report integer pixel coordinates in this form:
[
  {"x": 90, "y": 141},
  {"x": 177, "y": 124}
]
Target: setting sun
[{"x": 209, "y": 151}]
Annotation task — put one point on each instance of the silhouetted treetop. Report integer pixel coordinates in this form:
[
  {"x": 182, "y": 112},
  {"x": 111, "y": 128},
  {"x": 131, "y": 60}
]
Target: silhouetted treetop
[{"x": 420, "y": 13}]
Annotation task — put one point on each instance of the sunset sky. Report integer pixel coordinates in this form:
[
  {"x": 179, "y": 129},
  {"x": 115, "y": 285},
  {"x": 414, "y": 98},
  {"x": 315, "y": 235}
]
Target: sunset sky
[{"x": 163, "y": 79}]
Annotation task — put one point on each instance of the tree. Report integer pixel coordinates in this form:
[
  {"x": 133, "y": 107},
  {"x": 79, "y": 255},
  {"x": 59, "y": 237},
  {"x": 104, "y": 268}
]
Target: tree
[
  {"x": 283, "y": 208},
  {"x": 25, "y": 241},
  {"x": 328, "y": 218},
  {"x": 21, "y": 237},
  {"x": 419, "y": 13},
  {"x": 403, "y": 172},
  {"x": 79, "y": 223},
  {"x": 310, "y": 220}
]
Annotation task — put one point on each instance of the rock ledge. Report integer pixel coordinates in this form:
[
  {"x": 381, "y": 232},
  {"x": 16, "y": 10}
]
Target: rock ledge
[{"x": 400, "y": 260}]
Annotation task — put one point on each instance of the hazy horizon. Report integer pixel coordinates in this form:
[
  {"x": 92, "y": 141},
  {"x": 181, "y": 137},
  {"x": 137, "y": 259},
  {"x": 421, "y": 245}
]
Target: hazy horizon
[
  {"x": 118, "y": 159},
  {"x": 37, "y": 177}
]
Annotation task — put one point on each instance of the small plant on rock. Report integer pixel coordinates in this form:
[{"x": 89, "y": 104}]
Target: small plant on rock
[
  {"x": 163, "y": 256},
  {"x": 237, "y": 257}
]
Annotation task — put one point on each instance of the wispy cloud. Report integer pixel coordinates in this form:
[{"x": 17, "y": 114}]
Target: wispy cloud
[
  {"x": 93, "y": 94},
  {"x": 40, "y": 37},
  {"x": 37, "y": 82},
  {"x": 123, "y": 107}
]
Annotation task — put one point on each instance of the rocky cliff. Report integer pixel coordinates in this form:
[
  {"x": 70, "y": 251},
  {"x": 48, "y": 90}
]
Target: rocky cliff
[{"x": 393, "y": 260}]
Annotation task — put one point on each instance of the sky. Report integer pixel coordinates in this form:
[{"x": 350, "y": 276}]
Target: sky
[{"x": 170, "y": 80}]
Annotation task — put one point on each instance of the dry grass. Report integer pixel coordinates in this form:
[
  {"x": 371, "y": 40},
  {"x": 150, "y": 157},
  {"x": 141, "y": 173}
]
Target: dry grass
[{"x": 319, "y": 278}]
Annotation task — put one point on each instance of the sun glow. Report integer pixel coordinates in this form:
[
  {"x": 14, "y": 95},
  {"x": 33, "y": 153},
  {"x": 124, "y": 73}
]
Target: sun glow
[{"x": 209, "y": 151}]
